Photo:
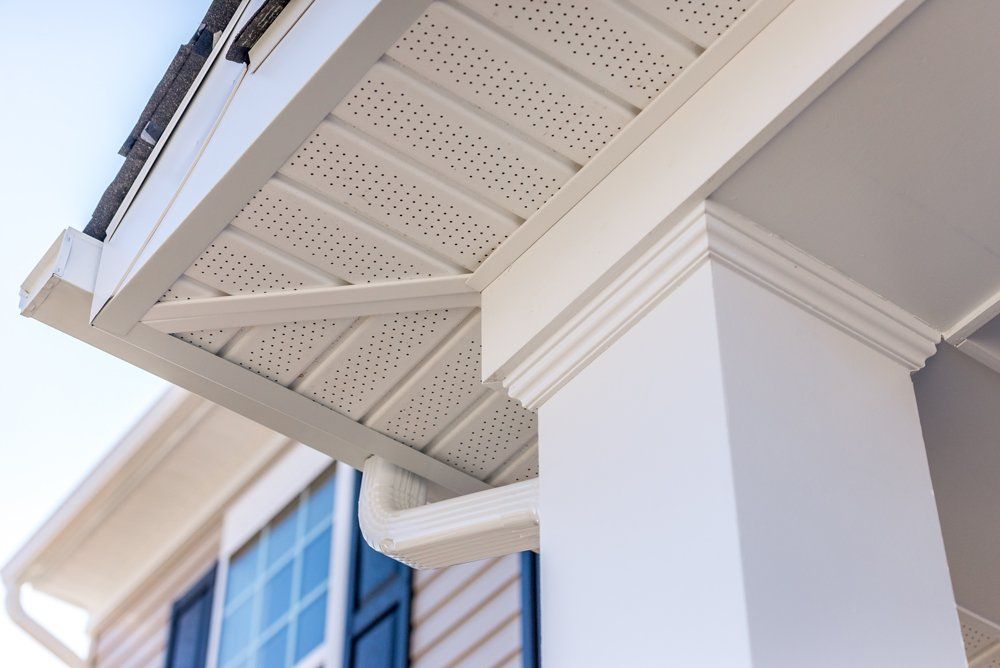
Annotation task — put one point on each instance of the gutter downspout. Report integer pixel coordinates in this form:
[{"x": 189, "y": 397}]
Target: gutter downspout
[
  {"x": 33, "y": 628},
  {"x": 396, "y": 520}
]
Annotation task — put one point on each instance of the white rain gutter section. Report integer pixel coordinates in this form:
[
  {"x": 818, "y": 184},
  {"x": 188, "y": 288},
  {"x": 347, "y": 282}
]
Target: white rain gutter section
[
  {"x": 396, "y": 520},
  {"x": 20, "y": 616}
]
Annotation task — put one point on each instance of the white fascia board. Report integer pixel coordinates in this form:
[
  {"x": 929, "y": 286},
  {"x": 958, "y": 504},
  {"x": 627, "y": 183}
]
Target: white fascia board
[
  {"x": 756, "y": 93},
  {"x": 180, "y": 154},
  {"x": 65, "y": 304},
  {"x": 266, "y": 117},
  {"x": 329, "y": 302}
]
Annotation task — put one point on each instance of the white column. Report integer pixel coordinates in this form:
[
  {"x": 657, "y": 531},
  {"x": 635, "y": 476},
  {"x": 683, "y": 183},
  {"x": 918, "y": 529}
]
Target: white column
[{"x": 732, "y": 467}]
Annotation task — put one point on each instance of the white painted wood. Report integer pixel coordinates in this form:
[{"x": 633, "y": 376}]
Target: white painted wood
[
  {"x": 733, "y": 114},
  {"x": 336, "y": 302},
  {"x": 709, "y": 232},
  {"x": 777, "y": 498}
]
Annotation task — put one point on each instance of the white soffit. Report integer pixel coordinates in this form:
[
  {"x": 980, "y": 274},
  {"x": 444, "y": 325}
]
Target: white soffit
[
  {"x": 982, "y": 640},
  {"x": 159, "y": 485},
  {"x": 474, "y": 119},
  {"x": 890, "y": 175}
]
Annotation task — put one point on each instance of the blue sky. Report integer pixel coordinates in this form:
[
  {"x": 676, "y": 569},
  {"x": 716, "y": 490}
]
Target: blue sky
[{"x": 73, "y": 78}]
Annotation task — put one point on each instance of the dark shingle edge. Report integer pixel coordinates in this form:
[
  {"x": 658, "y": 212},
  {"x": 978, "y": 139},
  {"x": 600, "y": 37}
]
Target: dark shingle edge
[
  {"x": 162, "y": 105},
  {"x": 239, "y": 51}
]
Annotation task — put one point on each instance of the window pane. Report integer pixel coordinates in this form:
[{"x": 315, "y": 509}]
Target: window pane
[
  {"x": 278, "y": 582},
  {"x": 315, "y": 563},
  {"x": 320, "y": 504},
  {"x": 242, "y": 571},
  {"x": 277, "y": 596},
  {"x": 281, "y": 536},
  {"x": 235, "y": 631},
  {"x": 273, "y": 653},
  {"x": 311, "y": 626}
]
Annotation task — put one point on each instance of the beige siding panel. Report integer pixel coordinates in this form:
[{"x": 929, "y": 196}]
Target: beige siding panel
[
  {"x": 498, "y": 649},
  {"x": 467, "y": 615},
  {"x": 135, "y": 635},
  {"x": 447, "y": 583}
]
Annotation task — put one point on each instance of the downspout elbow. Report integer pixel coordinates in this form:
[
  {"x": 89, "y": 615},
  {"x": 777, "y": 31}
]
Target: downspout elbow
[
  {"x": 396, "y": 520},
  {"x": 32, "y": 627}
]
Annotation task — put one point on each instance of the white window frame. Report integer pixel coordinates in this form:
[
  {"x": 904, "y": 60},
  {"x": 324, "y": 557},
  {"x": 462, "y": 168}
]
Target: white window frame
[{"x": 256, "y": 507}]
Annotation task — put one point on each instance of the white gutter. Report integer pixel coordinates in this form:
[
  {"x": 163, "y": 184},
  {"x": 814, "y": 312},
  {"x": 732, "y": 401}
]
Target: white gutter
[
  {"x": 396, "y": 520},
  {"x": 19, "y": 616}
]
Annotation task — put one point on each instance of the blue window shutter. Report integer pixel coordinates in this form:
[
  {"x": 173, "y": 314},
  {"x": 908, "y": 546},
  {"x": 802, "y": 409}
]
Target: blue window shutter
[
  {"x": 530, "y": 612},
  {"x": 190, "y": 622},
  {"x": 378, "y": 606}
]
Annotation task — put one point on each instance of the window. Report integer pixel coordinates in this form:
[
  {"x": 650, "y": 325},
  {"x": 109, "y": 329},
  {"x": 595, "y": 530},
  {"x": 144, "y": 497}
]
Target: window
[
  {"x": 275, "y": 605},
  {"x": 189, "y": 625},
  {"x": 378, "y": 609}
]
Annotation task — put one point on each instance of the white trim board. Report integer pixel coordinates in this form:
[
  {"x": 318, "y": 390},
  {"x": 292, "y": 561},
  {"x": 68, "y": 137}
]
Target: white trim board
[
  {"x": 976, "y": 318},
  {"x": 715, "y": 233},
  {"x": 962, "y": 334},
  {"x": 754, "y": 95},
  {"x": 327, "y": 302},
  {"x": 64, "y": 305}
]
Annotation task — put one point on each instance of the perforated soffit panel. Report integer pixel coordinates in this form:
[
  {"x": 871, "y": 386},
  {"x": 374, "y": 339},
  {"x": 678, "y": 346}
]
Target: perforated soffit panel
[
  {"x": 982, "y": 641},
  {"x": 471, "y": 121}
]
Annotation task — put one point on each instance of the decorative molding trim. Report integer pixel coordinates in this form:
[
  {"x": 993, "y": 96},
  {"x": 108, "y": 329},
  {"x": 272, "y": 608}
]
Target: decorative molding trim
[{"x": 711, "y": 232}]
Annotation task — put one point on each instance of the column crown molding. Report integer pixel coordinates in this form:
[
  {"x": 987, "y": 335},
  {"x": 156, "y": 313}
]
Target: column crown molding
[{"x": 712, "y": 233}]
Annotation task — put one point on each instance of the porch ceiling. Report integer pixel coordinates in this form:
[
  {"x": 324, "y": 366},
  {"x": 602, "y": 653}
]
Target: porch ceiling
[{"x": 467, "y": 126}]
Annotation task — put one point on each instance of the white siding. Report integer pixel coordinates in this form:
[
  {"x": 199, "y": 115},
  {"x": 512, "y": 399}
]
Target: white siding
[
  {"x": 467, "y": 615},
  {"x": 136, "y": 633}
]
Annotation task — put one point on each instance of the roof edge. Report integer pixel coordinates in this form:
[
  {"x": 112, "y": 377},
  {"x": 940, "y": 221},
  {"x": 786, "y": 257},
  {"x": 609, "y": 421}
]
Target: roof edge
[{"x": 106, "y": 473}]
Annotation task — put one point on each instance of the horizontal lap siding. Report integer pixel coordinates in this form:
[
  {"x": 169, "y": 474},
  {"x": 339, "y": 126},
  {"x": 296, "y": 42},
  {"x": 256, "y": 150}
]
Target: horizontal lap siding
[
  {"x": 136, "y": 633},
  {"x": 467, "y": 615}
]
